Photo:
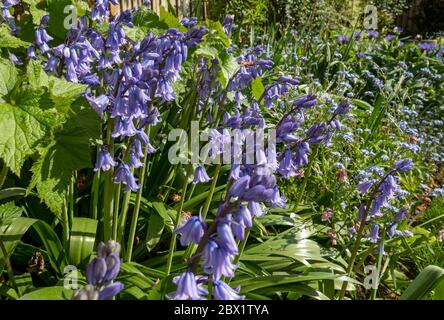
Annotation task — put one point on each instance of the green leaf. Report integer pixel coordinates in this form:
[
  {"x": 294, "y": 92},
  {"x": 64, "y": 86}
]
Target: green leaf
[
  {"x": 24, "y": 122},
  {"x": 15, "y": 231},
  {"x": 229, "y": 66},
  {"x": 428, "y": 279},
  {"x": 36, "y": 76},
  {"x": 8, "y": 213},
  {"x": 37, "y": 13},
  {"x": 8, "y": 77},
  {"x": 12, "y": 194},
  {"x": 135, "y": 282},
  {"x": 257, "y": 283},
  {"x": 82, "y": 238},
  {"x": 217, "y": 33},
  {"x": 24, "y": 283},
  {"x": 156, "y": 224},
  {"x": 171, "y": 20},
  {"x": 207, "y": 52},
  {"x": 9, "y": 41},
  {"x": 257, "y": 88},
  {"x": 49, "y": 293},
  {"x": 68, "y": 152},
  {"x": 64, "y": 93},
  {"x": 56, "y": 12}
]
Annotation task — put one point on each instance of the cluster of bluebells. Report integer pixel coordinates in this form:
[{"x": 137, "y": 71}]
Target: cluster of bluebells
[
  {"x": 101, "y": 273},
  {"x": 298, "y": 142},
  {"x": 383, "y": 189},
  {"x": 5, "y": 7},
  {"x": 128, "y": 80},
  {"x": 252, "y": 186}
]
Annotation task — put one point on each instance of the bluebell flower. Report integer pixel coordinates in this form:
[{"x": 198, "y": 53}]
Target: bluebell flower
[
  {"x": 110, "y": 291},
  {"x": 404, "y": 165},
  {"x": 191, "y": 230},
  {"x": 217, "y": 260},
  {"x": 226, "y": 238},
  {"x": 364, "y": 186},
  {"x": 222, "y": 291},
  {"x": 374, "y": 233},
  {"x": 187, "y": 288},
  {"x": 104, "y": 161},
  {"x": 124, "y": 175},
  {"x": 200, "y": 175}
]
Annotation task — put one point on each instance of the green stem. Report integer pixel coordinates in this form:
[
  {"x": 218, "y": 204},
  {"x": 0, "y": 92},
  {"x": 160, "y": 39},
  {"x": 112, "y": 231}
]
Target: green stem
[
  {"x": 306, "y": 176},
  {"x": 122, "y": 218},
  {"x": 3, "y": 174},
  {"x": 71, "y": 199},
  {"x": 95, "y": 195},
  {"x": 192, "y": 247},
  {"x": 108, "y": 199},
  {"x": 242, "y": 245},
  {"x": 65, "y": 227},
  {"x": 176, "y": 225},
  {"x": 116, "y": 209},
  {"x": 135, "y": 217},
  {"x": 360, "y": 234},
  {"x": 8, "y": 266},
  {"x": 378, "y": 269},
  {"x": 212, "y": 188}
]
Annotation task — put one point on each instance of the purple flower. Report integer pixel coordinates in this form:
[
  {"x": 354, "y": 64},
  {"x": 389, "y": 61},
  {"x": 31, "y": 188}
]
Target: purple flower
[
  {"x": 226, "y": 238},
  {"x": 112, "y": 267},
  {"x": 403, "y": 165},
  {"x": 374, "y": 233},
  {"x": 96, "y": 271},
  {"x": 125, "y": 176},
  {"x": 191, "y": 230},
  {"x": 217, "y": 260},
  {"x": 110, "y": 291},
  {"x": 239, "y": 186},
  {"x": 222, "y": 291},
  {"x": 255, "y": 209},
  {"x": 372, "y": 34},
  {"x": 187, "y": 288},
  {"x": 200, "y": 175},
  {"x": 400, "y": 216},
  {"x": 342, "y": 108},
  {"x": 364, "y": 186},
  {"x": 343, "y": 38},
  {"x": 104, "y": 161}
]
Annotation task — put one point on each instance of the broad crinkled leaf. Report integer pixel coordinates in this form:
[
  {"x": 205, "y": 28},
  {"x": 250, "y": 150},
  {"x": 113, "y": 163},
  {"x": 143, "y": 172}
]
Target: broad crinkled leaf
[
  {"x": 9, "y": 41},
  {"x": 8, "y": 77},
  {"x": 36, "y": 76},
  {"x": 69, "y": 151},
  {"x": 24, "y": 121},
  {"x": 8, "y": 212}
]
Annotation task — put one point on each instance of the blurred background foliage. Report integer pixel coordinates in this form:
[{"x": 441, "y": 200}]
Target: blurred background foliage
[{"x": 423, "y": 16}]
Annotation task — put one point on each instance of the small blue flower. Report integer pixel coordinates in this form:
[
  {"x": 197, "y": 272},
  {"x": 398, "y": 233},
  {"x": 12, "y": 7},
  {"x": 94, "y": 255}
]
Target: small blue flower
[
  {"x": 222, "y": 291},
  {"x": 191, "y": 230}
]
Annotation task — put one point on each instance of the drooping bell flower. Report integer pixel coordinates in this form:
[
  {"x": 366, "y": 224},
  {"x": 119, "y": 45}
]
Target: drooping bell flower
[
  {"x": 191, "y": 230},
  {"x": 200, "y": 175},
  {"x": 187, "y": 288},
  {"x": 217, "y": 260},
  {"x": 104, "y": 161},
  {"x": 404, "y": 165},
  {"x": 222, "y": 291}
]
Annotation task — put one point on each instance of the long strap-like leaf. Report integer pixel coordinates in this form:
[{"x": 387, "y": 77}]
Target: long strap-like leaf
[{"x": 12, "y": 235}]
